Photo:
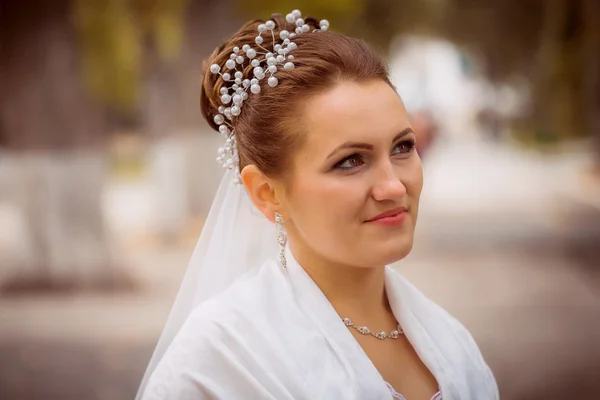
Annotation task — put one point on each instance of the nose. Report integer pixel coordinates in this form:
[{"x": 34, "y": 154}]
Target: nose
[{"x": 388, "y": 185}]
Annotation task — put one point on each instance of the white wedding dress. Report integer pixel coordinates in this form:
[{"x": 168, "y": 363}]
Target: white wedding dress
[{"x": 274, "y": 335}]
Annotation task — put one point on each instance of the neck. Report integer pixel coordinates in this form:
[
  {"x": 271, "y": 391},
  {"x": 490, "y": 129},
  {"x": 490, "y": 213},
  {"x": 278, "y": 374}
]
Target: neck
[{"x": 354, "y": 292}]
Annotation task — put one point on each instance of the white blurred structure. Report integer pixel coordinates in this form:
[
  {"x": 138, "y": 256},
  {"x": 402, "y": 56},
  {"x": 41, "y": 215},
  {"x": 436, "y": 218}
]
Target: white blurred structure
[{"x": 434, "y": 75}]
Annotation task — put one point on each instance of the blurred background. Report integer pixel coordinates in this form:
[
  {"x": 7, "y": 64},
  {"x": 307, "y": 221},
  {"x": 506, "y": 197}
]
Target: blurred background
[{"x": 107, "y": 171}]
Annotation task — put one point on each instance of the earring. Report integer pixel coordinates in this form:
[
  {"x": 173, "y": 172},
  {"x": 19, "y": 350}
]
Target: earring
[{"x": 281, "y": 238}]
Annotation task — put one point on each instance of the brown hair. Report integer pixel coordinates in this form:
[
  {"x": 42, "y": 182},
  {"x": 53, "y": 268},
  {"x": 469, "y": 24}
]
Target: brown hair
[{"x": 268, "y": 128}]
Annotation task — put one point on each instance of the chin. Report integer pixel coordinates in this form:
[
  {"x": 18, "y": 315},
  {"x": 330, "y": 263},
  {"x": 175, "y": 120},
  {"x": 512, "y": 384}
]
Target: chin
[{"x": 396, "y": 250}]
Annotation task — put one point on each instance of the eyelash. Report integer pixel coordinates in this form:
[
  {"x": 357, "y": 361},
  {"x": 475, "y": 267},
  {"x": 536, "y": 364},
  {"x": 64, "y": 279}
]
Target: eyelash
[{"x": 410, "y": 144}]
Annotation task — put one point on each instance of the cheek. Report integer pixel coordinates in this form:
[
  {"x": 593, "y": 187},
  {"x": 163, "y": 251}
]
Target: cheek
[
  {"x": 325, "y": 203},
  {"x": 413, "y": 178}
]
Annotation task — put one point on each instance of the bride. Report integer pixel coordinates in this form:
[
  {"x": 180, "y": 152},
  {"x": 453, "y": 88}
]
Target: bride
[{"x": 289, "y": 294}]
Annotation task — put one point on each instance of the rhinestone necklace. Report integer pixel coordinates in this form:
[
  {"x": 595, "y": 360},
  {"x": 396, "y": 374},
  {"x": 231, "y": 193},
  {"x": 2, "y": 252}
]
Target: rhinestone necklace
[{"x": 379, "y": 335}]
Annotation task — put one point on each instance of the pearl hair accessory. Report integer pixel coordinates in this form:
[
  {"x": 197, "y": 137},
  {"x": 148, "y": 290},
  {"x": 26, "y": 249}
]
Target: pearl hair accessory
[{"x": 264, "y": 62}]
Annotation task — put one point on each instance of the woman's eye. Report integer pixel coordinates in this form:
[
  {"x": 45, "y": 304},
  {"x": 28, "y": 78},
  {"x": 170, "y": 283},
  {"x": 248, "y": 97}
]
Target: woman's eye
[
  {"x": 404, "y": 147},
  {"x": 350, "y": 162}
]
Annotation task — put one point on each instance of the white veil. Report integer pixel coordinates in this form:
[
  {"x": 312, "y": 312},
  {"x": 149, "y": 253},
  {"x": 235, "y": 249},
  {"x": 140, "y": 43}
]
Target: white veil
[{"x": 236, "y": 238}]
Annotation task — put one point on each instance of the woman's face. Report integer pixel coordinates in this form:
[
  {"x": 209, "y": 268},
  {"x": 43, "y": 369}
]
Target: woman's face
[{"x": 353, "y": 193}]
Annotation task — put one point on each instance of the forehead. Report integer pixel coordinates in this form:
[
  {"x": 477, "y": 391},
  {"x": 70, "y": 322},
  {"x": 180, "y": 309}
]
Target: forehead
[{"x": 351, "y": 111}]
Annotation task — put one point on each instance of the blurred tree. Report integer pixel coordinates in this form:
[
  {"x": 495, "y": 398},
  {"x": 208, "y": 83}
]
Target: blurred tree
[
  {"x": 67, "y": 67},
  {"x": 592, "y": 72},
  {"x": 113, "y": 35},
  {"x": 554, "y": 43}
]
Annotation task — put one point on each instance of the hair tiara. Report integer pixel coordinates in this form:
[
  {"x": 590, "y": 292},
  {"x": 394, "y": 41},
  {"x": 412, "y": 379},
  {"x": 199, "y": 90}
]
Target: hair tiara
[{"x": 236, "y": 87}]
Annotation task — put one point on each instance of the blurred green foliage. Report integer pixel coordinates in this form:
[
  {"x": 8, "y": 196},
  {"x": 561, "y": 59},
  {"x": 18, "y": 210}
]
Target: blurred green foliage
[
  {"x": 377, "y": 21},
  {"x": 114, "y": 35}
]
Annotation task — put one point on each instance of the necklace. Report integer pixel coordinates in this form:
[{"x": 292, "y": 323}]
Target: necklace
[{"x": 379, "y": 335}]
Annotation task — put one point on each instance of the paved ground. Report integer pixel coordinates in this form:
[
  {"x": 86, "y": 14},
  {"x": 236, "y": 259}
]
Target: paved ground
[{"x": 523, "y": 277}]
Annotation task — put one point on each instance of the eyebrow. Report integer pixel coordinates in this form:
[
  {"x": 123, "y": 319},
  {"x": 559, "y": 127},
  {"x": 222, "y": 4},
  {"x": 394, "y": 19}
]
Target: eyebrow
[{"x": 366, "y": 146}]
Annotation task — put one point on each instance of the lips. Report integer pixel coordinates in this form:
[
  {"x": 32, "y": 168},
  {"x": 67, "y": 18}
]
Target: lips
[{"x": 390, "y": 213}]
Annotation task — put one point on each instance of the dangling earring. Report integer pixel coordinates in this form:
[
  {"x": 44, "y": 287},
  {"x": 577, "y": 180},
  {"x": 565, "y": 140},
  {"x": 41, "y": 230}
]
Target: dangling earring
[{"x": 281, "y": 238}]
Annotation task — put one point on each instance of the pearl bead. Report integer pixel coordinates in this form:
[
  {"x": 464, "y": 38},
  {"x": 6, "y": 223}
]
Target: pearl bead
[
  {"x": 238, "y": 74},
  {"x": 277, "y": 47},
  {"x": 246, "y": 83},
  {"x": 228, "y": 142},
  {"x": 280, "y": 58},
  {"x": 232, "y": 56},
  {"x": 298, "y": 30},
  {"x": 218, "y": 119},
  {"x": 215, "y": 68},
  {"x": 286, "y": 41},
  {"x": 270, "y": 25},
  {"x": 254, "y": 81},
  {"x": 255, "y": 88},
  {"x": 273, "y": 81},
  {"x": 259, "y": 73},
  {"x": 235, "y": 86},
  {"x": 239, "y": 59},
  {"x": 271, "y": 61},
  {"x": 290, "y": 57},
  {"x": 296, "y": 13},
  {"x": 244, "y": 95},
  {"x": 324, "y": 22},
  {"x": 289, "y": 65},
  {"x": 226, "y": 76},
  {"x": 251, "y": 53},
  {"x": 224, "y": 90},
  {"x": 235, "y": 110},
  {"x": 299, "y": 22},
  {"x": 305, "y": 28},
  {"x": 284, "y": 34},
  {"x": 290, "y": 18},
  {"x": 225, "y": 99},
  {"x": 269, "y": 55},
  {"x": 292, "y": 46},
  {"x": 239, "y": 91},
  {"x": 221, "y": 109},
  {"x": 236, "y": 49},
  {"x": 238, "y": 81},
  {"x": 255, "y": 63},
  {"x": 219, "y": 160},
  {"x": 221, "y": 150},
  {"x": 230, "y": 64},
  {"x": 324, "y": 28},
  {"x": 258, "y": 40},
  {"x": 224, "y": 130},
  {"x": 262, "y": 28},
  {"x": 237, "y": 99},
  {"x": 272, "y": 68},
  {"x": 245, "y": 48}
]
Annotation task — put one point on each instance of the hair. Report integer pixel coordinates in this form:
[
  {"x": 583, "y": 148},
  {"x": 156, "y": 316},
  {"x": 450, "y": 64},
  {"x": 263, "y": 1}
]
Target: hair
[{"x": 269, "y": 129}]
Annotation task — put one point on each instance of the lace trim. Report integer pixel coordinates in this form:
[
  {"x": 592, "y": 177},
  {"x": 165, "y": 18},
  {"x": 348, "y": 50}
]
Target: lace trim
[{"x": 398, "y": 396}]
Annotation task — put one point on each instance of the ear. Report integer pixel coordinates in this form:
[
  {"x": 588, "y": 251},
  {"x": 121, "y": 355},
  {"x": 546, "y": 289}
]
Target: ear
[{"x": 261, "y": 191}]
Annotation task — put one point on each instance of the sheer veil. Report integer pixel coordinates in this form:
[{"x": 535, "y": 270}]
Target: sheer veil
[{"x": 236, "y": 238}]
